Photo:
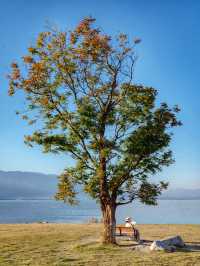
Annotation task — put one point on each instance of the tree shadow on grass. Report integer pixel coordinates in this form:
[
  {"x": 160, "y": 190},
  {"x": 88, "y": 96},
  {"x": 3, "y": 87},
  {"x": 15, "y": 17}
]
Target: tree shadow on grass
[
  {"x": 194, "y": 243},
  {"x": 125, "y": 242},
  {"x": 194, "y": 247},
  {"x": 189, "y": 247},
  {"x": 130, "y": 243},
  {"x": 69, "y": 260}
]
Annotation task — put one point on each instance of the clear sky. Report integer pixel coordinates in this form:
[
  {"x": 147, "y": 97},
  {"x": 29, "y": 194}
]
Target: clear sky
[{"x": 169, "y": 60}]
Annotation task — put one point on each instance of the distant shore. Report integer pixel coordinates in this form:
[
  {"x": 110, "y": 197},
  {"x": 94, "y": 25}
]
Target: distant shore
[{"x": 162, "y": 198}]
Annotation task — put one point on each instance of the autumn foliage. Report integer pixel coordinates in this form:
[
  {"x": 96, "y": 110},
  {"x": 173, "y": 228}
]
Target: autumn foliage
[{"x": 81, "y": 96}]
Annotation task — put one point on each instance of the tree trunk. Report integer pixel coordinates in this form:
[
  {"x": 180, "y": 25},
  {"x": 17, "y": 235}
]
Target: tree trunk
[{"x": 109, "y": 221}]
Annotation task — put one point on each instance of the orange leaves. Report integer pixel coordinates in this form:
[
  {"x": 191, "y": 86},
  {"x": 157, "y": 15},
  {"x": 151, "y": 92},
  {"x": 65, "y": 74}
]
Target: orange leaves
[
  {"x": 15, "y": 74},
  {"x": 73, "y": 38},
  {"x": 56, "y": 55},
  {"x": 60, "y": 57},
  {"x": 14, "y": 79},
  {"x": 28, "y": 138},
  {"x": 27, "y": 82},
  {"x": 15, "y": 71},
  {"x": 32, "y": 50},
  {"x": 28, "y": 59},
  {"x": 85, "y": 25},
  {"x": 39, "y": 66},
  {"x": 49, "y": 46},
  {"x": 82, "y": 27},
  {"x": 44, "y": 101},
  {"x": 14, "y": 65},
  {"x": 62, "y": 38},
  {"x": 41, "y": 39},
  {"x": 38, "y": 71},
  {"x": 96, "y": 41},
  {"x": 88, "y": 42}
]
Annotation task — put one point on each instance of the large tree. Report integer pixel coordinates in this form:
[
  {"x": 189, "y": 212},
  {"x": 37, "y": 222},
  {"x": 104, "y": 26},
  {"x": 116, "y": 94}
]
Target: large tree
[{"x": 80, "y": 93}]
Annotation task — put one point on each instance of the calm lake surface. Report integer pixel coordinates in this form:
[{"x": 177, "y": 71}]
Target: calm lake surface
[{"x": 167, "y": 212}]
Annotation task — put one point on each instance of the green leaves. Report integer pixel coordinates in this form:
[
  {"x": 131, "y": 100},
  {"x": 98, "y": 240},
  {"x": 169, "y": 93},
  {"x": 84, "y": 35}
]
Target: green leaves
[
  {"x": 149, "y": 192},
  {"x": 66, "y": 190}
]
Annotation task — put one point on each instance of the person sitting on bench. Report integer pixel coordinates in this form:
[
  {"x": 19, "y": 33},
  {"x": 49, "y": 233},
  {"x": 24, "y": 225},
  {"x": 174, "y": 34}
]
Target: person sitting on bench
[{"x": 131, "y": 223}]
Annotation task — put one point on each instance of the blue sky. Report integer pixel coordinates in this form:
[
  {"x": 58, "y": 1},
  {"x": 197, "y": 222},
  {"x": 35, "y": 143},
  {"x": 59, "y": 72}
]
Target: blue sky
[{"x": 169, "y": 57}]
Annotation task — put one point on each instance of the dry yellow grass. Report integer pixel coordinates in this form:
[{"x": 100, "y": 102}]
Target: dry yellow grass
[{"x": 68, "y": 244}]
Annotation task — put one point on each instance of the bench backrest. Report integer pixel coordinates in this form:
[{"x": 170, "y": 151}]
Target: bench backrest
[{"x": 124, "y": 230}]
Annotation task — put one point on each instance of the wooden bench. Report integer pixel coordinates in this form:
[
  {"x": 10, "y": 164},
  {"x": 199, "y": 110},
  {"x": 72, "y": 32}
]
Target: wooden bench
[{"x": 122, "y": 230}]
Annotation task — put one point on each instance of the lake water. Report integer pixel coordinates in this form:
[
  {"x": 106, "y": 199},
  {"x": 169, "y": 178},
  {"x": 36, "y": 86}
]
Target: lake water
[{"x": 167, "y": 212}]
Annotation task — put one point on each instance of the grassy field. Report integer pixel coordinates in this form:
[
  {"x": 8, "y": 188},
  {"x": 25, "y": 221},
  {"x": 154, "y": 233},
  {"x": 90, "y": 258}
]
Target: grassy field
[{"x": 67, "y": 244}]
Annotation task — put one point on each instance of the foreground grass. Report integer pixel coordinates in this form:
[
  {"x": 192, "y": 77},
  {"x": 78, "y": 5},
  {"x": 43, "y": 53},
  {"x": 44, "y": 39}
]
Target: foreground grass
[{"x": 67, "y": 244}]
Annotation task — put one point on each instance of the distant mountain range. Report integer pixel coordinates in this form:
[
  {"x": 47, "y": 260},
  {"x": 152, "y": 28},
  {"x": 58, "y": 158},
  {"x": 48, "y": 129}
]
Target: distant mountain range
[
  {"x": 30, "y": 185},
  {"x": 181, "y": 194}
]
